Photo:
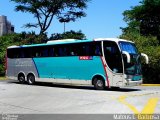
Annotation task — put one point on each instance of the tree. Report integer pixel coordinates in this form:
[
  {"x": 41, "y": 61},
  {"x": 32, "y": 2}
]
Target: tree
[
  {"x": 144, "y": 29},
  {"x": 68, "y": 35},
  {"x": 45, "y": 10},
  {"x": 33, "y": 38},
  {"x": 144, "y": 19}
]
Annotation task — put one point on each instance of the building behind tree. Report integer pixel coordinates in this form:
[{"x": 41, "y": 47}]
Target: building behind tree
[{"x": 5, "y": 26}]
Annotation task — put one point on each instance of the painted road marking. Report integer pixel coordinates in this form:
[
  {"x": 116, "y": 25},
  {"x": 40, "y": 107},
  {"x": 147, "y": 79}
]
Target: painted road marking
[
  {"x": 150, "y": 85},
  {"x": 149, "y": 107}
]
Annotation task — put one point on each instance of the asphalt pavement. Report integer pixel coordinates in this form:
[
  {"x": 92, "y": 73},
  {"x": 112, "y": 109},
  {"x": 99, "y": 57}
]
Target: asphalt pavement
[{"x": 48, "y": 98}]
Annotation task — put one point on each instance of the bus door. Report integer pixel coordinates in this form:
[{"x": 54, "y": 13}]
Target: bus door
[{"x": 114, "y": 62}]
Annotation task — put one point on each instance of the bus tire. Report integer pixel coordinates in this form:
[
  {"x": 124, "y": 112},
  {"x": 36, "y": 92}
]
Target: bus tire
[
  {"x": 98, "y": 83},
  {"x": 21, "y": 78},
  {"x": 30, "y": 79}
]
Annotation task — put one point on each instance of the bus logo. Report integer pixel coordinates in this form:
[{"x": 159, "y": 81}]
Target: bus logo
[{"x": 85, "y": 57}]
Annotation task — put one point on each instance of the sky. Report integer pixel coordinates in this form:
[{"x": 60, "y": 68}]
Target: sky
[{"x": 104, "y": 18}]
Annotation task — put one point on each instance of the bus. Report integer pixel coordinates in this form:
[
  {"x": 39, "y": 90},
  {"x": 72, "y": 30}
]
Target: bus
[{"x": 102, "y": 62}]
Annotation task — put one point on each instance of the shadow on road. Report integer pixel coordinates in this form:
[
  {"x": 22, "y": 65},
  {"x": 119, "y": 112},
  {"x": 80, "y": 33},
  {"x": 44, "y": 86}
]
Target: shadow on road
[{"x": 46, "y": 84}]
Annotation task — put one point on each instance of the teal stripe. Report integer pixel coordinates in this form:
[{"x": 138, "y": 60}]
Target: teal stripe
[{"x": 69, "y": 67}]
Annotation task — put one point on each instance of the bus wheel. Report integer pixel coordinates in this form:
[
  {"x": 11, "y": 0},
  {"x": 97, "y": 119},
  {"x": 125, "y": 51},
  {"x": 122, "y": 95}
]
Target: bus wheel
[
  {"x": 30, "y": 79},
  {"x": 21, "y": 78},
  {"x": 99, "y": 84}
]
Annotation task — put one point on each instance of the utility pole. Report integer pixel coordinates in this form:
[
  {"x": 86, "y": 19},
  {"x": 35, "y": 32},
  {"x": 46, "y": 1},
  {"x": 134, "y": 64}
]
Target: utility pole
[
  {"x": 64, "y": 21},
  {"x": 64, "y": 27}
]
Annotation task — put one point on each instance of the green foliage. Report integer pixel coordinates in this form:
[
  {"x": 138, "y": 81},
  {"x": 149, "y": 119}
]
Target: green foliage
[
  {"x": 33, "y": 38},
  {"x": 45, "y": 10},
  {"x": 68, "y": 35},
  {"x": 144, "y": 18}
]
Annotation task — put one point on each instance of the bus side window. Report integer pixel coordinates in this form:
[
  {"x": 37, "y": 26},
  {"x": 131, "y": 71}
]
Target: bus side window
[
  {"x": 27, "y": 53},
  {"x": 93, "y": 49},
  {"x": 97, "y": 49},
  {"x": 36, "y": 52},
  {"x": 81, "y": 48},
  {"x": 21, "y": 53},
  {"x": 113, "y": 56},
  {"x": 18, "y": 53},
  {"x": 56, "y": 52},
  {"x": 32, "y": 52},
  {"x": 10, "y": 53},
  {"x": 73, "y": 50},
  {"x": 39, "y": 52},
  {"x": 45, "y": 52},
  {"x": 85, "y": 49},
  {"x": 51, "y": 52},
  {"x": 61, "y": 51}
]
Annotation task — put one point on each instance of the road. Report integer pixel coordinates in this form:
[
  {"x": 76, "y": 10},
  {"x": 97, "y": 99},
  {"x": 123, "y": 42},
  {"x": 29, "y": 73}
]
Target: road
[{"x": 47, "y": 98}]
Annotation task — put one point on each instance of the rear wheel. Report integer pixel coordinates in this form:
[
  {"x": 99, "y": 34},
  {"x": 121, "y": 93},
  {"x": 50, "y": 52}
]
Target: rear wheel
[
  {"x": 21, "y": 79},
  {"x": 30, "y": 79},
  {"x": 99, "y": 83}
]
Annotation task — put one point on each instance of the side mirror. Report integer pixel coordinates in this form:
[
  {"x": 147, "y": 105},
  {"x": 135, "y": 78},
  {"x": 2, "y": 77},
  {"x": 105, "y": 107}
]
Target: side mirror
[
  {"x": 146, "y": 57},
  {"x": 128, "y": 56}
]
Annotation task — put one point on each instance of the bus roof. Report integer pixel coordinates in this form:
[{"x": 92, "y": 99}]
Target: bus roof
[
  {"x": 68, "y": 41},
  {"x": 112, "y": 39}
]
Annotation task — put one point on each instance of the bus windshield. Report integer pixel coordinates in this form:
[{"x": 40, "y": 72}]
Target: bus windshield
[
  {"x": 128, "y": 47},
  {"x": 134, "y": 67}
]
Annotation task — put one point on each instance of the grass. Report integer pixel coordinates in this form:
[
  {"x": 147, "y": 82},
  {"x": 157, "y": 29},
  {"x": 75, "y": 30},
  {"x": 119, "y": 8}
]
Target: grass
[{"x": 3, "y": 78}]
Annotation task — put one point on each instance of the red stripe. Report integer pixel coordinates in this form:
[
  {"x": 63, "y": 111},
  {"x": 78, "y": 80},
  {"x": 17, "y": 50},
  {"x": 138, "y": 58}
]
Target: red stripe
[
  {"x": 6, "y": 65},
  {"x": 104, "y": 66},
  {"x": 6, "y": 60}
]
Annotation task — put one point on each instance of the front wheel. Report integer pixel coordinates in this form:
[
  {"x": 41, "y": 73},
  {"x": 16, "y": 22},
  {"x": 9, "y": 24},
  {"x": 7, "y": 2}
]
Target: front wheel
[
  {"x": 31, "y": 79},
  {"x": 99, "y": 84}
]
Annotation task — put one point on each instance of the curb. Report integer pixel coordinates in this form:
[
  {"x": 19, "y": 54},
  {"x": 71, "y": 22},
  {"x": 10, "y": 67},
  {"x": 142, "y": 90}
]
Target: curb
[{"x": 150, "y": 84}]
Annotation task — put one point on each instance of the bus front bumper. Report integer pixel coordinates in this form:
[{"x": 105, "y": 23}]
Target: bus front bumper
[{"x": 130, "y": 83}]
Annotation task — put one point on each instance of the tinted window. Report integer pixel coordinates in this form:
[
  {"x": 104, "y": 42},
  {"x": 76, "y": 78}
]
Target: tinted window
[
  {"x": 90, "y": 49},
  {"x": 20, "y": 52},
  {"x": 129, "y": 47},
  {"x": 113, "y": 56},
  {"x": 15, "y": 53},
  {"x": 10, "y": 53},
  {"x": 77, "y": 49}
]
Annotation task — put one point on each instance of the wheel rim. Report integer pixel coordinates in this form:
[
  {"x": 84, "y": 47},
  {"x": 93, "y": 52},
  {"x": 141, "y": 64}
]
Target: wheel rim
[
  {"x": 100, "y": 83},
  {"x": 21, "y": 79},
  {"x": 31, "y": 79}
]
